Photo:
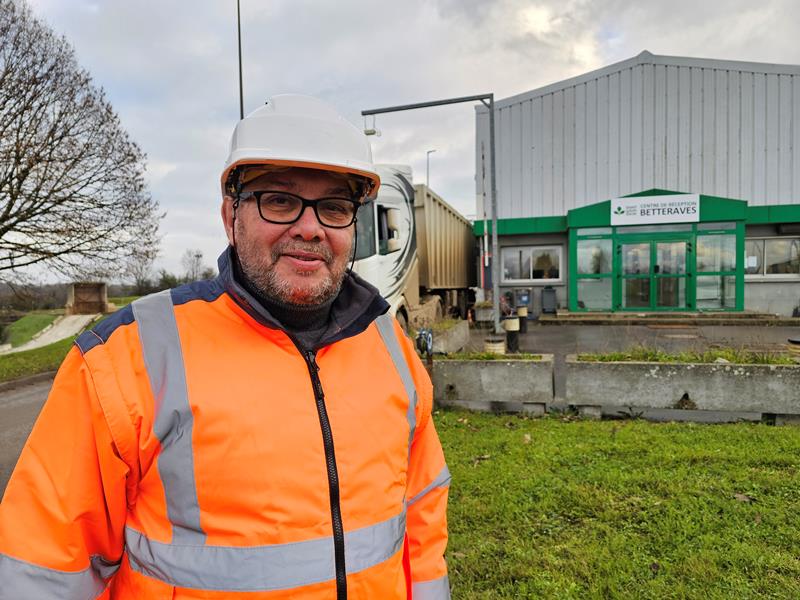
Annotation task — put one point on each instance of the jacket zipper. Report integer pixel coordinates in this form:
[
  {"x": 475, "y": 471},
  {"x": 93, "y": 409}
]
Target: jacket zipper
[{"x": 333, "y": 475}]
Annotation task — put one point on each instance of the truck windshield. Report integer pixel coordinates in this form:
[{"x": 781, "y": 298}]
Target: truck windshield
[{"x": 365, "y": 229}]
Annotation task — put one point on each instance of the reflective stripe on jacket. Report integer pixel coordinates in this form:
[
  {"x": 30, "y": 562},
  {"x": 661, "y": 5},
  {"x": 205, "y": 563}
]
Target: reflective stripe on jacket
[{"x": 183, "y": 453}]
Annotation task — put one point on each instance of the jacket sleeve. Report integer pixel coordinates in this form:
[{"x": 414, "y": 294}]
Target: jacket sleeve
[
  {"x": 63, "y": 512},
  {"x": 428, "y": 482}
]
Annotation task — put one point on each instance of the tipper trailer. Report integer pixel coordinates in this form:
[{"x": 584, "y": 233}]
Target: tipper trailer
[{"x": 416, "y": 249}]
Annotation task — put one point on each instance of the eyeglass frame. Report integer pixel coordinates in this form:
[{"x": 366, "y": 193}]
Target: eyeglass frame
[{"x": 256, "y": 195}]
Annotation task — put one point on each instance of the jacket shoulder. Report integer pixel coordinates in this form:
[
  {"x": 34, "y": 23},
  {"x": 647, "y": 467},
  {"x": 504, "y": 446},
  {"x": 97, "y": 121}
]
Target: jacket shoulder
[{"x": 207, "y": 291}]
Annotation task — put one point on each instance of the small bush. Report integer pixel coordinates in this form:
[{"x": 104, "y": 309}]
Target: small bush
[{"x": 444, "y": 325}]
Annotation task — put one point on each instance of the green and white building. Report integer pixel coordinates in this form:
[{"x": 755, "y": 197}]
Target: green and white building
[{"x": 655, "y": 184}]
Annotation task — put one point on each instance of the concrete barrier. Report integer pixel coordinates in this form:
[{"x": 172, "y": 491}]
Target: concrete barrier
[
  {"x": 771, "y": 389},
  {"x": 504, "y": 385},
  {"x": 451, "y": 340}
]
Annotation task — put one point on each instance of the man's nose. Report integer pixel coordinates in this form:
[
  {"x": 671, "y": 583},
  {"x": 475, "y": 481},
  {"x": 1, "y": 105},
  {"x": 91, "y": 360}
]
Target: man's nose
[{"x": 308, "y": 226}]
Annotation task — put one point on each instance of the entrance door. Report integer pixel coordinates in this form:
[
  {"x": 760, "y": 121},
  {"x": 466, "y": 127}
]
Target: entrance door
[{"x": 653, "y": 274}]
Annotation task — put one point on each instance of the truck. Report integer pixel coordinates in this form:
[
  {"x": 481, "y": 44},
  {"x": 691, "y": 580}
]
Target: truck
[{"x": 416, "y": 249}]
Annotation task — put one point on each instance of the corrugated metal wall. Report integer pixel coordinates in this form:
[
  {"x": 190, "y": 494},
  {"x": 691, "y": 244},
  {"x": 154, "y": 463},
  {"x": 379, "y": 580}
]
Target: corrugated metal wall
[
  {"x": 444, "y": 242},
  {"x": 713, "y": 127}
]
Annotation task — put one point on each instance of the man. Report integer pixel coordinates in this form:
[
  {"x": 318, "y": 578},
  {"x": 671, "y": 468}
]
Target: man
[{"x": 266, "y": 434}]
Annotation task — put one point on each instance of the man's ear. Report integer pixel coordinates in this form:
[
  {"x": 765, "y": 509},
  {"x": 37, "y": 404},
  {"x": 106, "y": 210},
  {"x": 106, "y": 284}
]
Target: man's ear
[{"x": 226, "y": 211}]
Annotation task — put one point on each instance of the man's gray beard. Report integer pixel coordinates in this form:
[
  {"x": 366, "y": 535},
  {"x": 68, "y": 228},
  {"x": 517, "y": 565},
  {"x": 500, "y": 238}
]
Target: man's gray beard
[{"x": 267, "y": 283}]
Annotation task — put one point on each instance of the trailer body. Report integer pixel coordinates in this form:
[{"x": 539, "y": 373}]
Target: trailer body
[{"x": 415, "y": 248}]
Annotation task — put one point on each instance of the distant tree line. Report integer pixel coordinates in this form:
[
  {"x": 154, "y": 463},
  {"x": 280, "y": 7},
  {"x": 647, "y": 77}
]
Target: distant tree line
[
  {"x": 23, "y": 297},
  {"x": 144, "y": 281}
]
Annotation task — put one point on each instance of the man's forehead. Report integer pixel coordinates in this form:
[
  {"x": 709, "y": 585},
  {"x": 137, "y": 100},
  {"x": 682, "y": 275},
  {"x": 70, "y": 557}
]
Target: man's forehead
[{"x": 292, "y": 178}]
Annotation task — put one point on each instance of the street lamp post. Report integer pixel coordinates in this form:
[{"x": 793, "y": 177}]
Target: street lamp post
[
  {"x": 488, "y": 101},
  {"x": 239, "y": 31},
  {"x": 428, "y": 168}
]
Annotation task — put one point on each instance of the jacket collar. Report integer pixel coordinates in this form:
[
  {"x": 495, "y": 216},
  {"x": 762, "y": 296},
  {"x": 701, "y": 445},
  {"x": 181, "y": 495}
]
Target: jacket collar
[{"x": 358, "y": 304}]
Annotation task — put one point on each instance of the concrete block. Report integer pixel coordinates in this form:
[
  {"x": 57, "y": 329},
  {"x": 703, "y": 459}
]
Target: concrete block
[
  {"x": 451, "y": 340},
  {"x": 710, "y": 387},
  {"x": 484, "y": 314},
  {"x": 787, "y": 420},
  {"x": 534, "y": 409},
  {"x": 495, "y": 385},
  {"x": 588, "y": 411}
]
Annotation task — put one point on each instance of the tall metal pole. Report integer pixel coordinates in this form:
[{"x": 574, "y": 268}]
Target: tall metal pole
[
  {"x": 482, "y": 98},
  {"x": 239, "y": 28},
  {"x": 428, "y": 168},
  {"x": 495, "y": 245}
]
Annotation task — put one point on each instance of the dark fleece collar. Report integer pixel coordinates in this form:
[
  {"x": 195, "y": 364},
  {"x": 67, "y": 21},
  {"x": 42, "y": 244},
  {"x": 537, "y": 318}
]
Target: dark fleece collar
[{"x": 357, "y": 305}]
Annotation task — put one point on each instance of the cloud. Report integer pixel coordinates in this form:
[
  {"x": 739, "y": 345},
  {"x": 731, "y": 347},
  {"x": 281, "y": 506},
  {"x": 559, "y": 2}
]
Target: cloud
[{"x": 170, "y": 70}]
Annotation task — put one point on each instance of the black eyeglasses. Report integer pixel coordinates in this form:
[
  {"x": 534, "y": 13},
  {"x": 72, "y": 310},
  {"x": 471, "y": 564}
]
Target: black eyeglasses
[{"x": 284, "y": 208}]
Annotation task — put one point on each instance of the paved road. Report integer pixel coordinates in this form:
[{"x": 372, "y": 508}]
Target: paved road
[{"x": 18, "y": 410}]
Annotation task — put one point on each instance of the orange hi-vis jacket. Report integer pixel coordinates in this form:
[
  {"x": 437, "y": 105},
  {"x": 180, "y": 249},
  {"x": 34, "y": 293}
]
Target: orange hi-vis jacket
[{"x": 191, "y": 448}]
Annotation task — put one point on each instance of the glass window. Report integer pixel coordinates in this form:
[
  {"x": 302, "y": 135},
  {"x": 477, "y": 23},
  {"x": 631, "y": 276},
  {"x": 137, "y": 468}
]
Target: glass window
[
  {"x": 754, "y": 257},
  {"x": 782, "y": 256},
  {"x": 636, "y": 293},
  {"x": 716, "y": 253},
  {"x": 594, "y": 231},
  {"x": 594, "y": 257},
  {"x": 671, "y": 292},
  {"x": 513, "y": 259},
  {"x": 718, "y": 226},
  {"x": 716, "y": 292},
  {"x": 545, "y": 263},
  {"x": 636, "y": 259},
  {"x": 655, "y": 228},
  {"x": 525, "y": 263},
  {"x": 594, "y": 294},
  {"x": 670, "y": 258},
  {"x": 365, "y": 230}
]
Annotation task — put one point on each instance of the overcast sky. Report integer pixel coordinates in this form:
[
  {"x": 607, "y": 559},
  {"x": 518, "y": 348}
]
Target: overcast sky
[{"x": 170, "y": 70}]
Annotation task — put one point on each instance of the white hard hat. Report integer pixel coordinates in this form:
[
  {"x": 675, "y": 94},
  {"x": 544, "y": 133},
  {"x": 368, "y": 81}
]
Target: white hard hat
[{"x": 300, "y": 131}]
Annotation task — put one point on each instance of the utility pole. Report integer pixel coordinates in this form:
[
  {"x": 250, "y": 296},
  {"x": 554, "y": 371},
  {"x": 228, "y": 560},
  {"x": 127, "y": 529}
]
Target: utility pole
[
  {"x": 488, "y": 101},
  {"x": 239, "y": 29}
]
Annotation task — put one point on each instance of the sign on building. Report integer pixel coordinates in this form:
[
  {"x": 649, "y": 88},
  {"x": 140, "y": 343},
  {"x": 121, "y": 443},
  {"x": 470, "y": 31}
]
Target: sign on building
[{"x": 644, "y": 210}]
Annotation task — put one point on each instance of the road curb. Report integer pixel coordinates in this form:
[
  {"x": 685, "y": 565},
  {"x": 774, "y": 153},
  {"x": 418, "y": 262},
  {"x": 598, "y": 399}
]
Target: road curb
[{"x": 23, "y": 381}]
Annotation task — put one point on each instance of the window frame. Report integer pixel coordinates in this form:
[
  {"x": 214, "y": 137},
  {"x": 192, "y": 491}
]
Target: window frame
[
  {"x": 763, "y": 275},
  {"x": 559, "y": 248}
]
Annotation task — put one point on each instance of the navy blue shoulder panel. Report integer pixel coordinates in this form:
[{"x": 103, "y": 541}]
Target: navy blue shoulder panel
[
  {"x": 208, "y": 290},
  {"x": 103, "y": 330}
]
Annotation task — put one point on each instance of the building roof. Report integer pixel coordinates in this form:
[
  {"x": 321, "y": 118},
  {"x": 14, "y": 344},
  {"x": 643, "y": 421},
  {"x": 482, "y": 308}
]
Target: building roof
[{"x": 647, "y": 58}]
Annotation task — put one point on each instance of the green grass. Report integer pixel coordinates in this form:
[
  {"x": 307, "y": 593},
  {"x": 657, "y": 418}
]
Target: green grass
[
  {"x": 487, "y": 356},
  {"x": 22, "y": 330},
  {"x": 444, "y": 325},
  {"x": 120, "y": 301},
  {"x": 31, "y": 362},
  {"x": 560, "y": 508},
  {"x": 732, "y": 355}
]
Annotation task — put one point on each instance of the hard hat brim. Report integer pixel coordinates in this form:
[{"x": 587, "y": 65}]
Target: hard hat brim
[{"x": 373, "y": 179}]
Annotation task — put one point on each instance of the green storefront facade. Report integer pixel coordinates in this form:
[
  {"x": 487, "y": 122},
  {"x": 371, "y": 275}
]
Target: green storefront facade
[{"x": 697, "y": 264}]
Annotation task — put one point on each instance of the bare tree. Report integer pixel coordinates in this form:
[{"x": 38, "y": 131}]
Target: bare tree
[
  {"x": 192, "y": 262},
  {"x": 139, "y": 269},
  {"x": 72, "y": 190}
]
